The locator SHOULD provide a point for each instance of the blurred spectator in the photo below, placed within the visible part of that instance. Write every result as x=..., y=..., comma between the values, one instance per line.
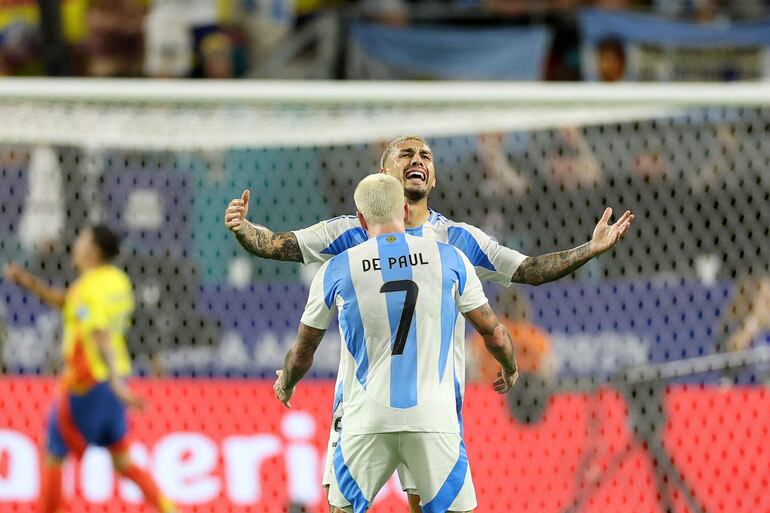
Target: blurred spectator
x=115, y=39
x=195, y=38
x=43, y=216
x=708, y=11
x=264, y=23
x=216, y=52
x=20, y=49
x=719, y=164
x=610, y=60
x=746, y=322
x=572, y=165
x=748, y=313
x=168, y=40
x=387, y=12
x=502, y=177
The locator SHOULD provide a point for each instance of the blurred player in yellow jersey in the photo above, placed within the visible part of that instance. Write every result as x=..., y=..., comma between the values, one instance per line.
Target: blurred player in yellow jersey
x=91, y=400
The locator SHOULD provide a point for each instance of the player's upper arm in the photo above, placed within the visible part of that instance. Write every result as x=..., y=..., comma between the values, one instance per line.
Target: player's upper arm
x=320, y=302
x=469, y=294
x=320, y=242
x=492, y=261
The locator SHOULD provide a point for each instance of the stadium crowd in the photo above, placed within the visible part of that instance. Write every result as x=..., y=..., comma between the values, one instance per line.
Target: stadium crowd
x=302, y=38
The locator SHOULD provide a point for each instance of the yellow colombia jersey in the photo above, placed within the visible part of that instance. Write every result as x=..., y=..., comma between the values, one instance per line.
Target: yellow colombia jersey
x=101, y=299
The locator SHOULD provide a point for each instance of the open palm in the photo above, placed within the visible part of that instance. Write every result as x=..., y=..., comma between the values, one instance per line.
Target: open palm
x=606, y=235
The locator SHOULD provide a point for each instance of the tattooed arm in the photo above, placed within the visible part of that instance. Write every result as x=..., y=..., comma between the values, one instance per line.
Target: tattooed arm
x=259, y=240
x=263, y=242
x=298, y=361
x=544, y=268
x=552, y=266
x=497, y=340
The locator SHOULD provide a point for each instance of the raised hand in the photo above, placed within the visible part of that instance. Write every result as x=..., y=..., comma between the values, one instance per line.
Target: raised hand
x=235, y=214
x=607, y=235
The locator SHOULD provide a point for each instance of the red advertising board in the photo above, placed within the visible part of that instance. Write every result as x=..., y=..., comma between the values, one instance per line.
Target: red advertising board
x=229, y=446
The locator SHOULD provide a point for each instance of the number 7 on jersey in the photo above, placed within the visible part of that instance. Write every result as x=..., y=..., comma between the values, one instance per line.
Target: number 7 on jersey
x=407, y=313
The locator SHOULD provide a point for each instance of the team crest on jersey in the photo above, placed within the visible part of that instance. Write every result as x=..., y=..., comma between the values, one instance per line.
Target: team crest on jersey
x=390, y=239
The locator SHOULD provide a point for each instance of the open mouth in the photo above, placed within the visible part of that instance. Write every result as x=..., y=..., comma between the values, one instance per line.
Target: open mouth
x=416, y=175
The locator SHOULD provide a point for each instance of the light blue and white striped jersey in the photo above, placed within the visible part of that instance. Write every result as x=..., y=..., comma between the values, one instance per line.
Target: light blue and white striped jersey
x=398, y=298
x=492, y=261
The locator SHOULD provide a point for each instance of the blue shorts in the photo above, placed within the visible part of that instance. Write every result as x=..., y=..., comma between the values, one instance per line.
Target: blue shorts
x=97, y=417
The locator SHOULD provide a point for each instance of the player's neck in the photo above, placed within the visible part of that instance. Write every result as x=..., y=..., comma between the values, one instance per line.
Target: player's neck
x=418, y=213
x=381, y=229
x=89, y=266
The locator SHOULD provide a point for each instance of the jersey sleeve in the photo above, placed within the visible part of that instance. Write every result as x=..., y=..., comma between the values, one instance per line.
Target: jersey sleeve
x=320, y=242
x=491, y=260
x=318, y=310
x=469, y=294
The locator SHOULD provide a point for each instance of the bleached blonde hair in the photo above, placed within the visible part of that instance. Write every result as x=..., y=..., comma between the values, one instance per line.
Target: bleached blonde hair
x=380, y=198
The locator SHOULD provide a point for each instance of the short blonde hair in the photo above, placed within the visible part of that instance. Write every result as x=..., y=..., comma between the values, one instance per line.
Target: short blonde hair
x=395, y=142
x=380, y=198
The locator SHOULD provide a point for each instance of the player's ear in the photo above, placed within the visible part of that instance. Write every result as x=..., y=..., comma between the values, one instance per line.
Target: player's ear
x=407, y=212
x=383, y=170
x=362, y=221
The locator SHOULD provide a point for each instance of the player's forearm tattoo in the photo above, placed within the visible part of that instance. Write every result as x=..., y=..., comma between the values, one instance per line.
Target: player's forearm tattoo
x=262, y=242
x=299, y=359
x=483, y=325
x=544, y=268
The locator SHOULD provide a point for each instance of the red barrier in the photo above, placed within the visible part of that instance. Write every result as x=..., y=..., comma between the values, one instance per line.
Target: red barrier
x=229, y=446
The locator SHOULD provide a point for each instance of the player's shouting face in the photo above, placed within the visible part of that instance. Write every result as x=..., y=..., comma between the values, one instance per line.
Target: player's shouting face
x=411, y=162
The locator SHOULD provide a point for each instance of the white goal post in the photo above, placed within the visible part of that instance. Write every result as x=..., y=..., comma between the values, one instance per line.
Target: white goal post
x=210, y=115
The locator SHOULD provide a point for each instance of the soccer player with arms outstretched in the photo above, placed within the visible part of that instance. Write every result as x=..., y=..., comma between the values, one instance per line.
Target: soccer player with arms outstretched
x=410, y=160
x=91, y=400
x=398, y=298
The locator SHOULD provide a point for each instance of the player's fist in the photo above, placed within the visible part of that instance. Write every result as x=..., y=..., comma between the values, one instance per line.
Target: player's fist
x=505, y=381
x=235, y=214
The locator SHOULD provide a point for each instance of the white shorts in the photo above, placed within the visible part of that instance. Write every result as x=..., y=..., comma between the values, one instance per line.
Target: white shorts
x=437, y=462
x=407, y=483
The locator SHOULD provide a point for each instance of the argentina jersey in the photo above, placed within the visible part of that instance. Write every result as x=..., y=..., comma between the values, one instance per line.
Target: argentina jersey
x=398, y=298
x=491, y=260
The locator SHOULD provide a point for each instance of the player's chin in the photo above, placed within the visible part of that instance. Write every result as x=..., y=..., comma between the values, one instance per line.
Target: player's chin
x=416, y=193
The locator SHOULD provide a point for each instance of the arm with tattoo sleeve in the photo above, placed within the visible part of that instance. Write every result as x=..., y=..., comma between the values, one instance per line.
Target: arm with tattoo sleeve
x=264, y=243
x=552, y=266
x=497, y=340
x=259, y=240
x=298, y=361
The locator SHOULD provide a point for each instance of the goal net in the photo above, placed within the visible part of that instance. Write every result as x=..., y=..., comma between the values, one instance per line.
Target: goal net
x=644, y=373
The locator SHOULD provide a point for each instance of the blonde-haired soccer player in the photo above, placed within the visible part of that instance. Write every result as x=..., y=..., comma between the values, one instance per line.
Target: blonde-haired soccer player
x=90, y=407
x=398, y=298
